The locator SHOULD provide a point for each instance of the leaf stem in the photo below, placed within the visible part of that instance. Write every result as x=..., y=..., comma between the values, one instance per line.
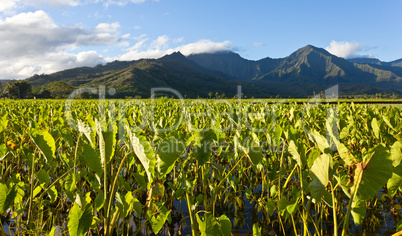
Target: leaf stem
x=334, y=209
x=193, y=228
x=346, y=221
x=111, y=196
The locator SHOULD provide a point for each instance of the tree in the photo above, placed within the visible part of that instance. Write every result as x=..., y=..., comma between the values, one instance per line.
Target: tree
x=59, y=89
x=44, y=93
x=1, y=89
x=18, y=89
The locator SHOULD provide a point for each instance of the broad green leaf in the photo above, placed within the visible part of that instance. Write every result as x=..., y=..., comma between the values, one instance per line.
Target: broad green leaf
x=225, y=225
x=358, y=211
x=376, y=128
x=143, y=150
x=399, y=227
x=52, y=192
x=342, y=179
x=209, y=226
x=344, y=133
x=331, y=125
x=283, y=203
x=278, y=134
x=65, y=133
x=179, y=192
x=158, y=191
x=271, y=206
x=395, y=182
x=376, y=173
x=7, y=196
x=203, y=146
x=107, y=143
x=255, y=153
x=320, y=174
x=137, y=207
x=396, y=154
x=99, y=200
x=18, y=201
x=168, y=152
x=129, y=200
x=43, y=177
x=3, y=151
x=327, y=198
x=93, y=159
x=124, y=204
x=3, y=123
x=345, y=154
x=256, y=230
x=55, y=231
x=3, y=197
x=88, y=131
x=321, y=141
x=159, y=217
x=386, y=120
x=314, y=153
x=38, y=189
x=45, y=143
x=79, y=219
x=140, y=179
x=292, y=207
x=293, y=149
x=202, y=153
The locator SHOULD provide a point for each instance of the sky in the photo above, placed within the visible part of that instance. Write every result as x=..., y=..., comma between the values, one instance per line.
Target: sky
x=45, y=36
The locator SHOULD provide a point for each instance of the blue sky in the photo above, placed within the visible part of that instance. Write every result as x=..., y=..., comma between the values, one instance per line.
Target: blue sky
x=44, y=36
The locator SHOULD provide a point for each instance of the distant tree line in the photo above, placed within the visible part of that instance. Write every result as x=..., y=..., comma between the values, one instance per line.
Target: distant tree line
x=22, y=89
x=16, y=90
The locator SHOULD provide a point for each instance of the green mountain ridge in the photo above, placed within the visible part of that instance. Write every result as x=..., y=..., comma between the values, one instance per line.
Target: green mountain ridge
x=316, y=65
x=307, y=70
x=234, y=65
x=364, y=60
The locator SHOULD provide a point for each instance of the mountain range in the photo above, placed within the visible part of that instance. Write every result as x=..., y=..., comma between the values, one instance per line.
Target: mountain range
x=307, y=71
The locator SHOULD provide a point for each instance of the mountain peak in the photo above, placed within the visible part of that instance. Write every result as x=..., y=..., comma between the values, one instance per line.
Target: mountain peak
x=310, y=48
x=175, y=55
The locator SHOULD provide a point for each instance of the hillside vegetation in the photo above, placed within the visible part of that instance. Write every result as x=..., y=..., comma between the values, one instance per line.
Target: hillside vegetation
x=307, y=71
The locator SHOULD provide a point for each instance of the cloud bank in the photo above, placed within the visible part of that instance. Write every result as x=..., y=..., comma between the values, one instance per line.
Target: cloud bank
x=32, y=43
x=161, y=46
x=9, y=6
x=346, y=49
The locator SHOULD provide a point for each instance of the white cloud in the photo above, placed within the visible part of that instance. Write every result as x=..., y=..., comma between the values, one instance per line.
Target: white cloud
x=155, y=49
x=88, y=58
x=126, y=36
x=204, y=46
x=33, y=33
x=346, y=49
x=48, y=63
x=178, y=40
x=6, y=5
x=160, y=42
x=121, y=2
x=258, y=44
x=105, y=27
x=38, y=3
x=32, y=43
